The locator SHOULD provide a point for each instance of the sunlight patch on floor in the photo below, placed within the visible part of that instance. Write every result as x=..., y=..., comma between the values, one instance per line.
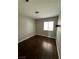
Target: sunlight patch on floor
x=47, y=46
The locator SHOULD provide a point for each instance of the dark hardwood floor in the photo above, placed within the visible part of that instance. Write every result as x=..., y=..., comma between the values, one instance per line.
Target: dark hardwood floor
x=38, y=47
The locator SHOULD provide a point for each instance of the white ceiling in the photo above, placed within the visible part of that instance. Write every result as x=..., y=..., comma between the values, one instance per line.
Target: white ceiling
x=46, y=8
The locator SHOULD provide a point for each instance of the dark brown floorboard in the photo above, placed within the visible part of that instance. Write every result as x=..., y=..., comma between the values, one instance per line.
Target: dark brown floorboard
x=37, y=47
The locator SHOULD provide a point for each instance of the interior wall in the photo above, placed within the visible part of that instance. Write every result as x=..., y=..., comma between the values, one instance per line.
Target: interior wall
x=26, y=27
x=58, y=41
x=40, y=24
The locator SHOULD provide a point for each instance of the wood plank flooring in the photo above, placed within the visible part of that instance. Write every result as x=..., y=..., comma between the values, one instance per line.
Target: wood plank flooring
x=38, y=47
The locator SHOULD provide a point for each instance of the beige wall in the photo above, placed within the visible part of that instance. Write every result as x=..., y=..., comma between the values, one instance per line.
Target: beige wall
x=58, y=39
x=26, y=27
x=39, y=27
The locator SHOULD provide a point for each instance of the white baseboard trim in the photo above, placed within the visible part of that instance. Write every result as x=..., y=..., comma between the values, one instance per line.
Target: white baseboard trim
x=31, y=36
x=45, y=36
x=25, y=38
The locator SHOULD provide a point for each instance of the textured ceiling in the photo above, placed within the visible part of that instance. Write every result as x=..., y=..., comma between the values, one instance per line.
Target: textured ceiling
x=46, y=8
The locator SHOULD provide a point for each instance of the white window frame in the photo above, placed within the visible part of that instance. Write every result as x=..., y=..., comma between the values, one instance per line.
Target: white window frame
x=48, y=28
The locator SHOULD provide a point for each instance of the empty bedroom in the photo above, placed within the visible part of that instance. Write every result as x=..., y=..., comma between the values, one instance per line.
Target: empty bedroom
x=39, y=32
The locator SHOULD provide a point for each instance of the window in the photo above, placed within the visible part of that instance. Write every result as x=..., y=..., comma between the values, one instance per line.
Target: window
x=48, y=26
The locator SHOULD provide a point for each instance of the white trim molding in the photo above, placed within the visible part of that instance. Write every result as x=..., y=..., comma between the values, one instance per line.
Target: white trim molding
x=25, y=38
x=45, y=36
x=32, y=36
